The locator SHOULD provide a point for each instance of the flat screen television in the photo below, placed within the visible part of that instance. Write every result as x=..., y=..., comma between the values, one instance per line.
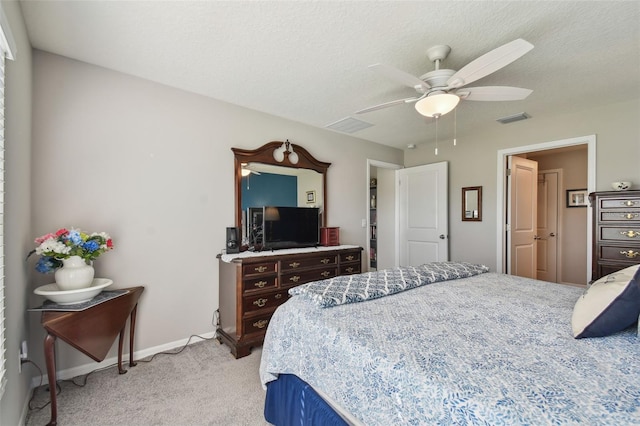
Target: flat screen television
x=289, y=227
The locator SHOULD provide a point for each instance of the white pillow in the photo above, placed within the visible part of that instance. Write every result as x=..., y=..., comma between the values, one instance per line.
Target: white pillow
x=609, y=305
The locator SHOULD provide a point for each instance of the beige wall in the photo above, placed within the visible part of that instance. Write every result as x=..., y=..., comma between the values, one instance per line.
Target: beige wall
x=473, y=162
x=153, y=166
x=17, y=226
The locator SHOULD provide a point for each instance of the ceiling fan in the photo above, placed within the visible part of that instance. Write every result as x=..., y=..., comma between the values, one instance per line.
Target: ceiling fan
x=440, y=90
x=248, y=170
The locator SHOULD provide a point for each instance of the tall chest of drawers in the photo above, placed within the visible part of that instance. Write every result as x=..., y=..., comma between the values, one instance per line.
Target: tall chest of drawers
x=252, y=287
x=616, y=231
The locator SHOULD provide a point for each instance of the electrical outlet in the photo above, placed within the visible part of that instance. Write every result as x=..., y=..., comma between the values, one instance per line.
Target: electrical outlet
x=22, y=355
x=23, y=350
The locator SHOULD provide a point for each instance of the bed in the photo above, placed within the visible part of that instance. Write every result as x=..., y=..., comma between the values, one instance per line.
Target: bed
x=451, y=343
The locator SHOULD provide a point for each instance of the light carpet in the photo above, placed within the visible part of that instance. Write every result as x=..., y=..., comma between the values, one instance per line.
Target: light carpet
x=202, y=385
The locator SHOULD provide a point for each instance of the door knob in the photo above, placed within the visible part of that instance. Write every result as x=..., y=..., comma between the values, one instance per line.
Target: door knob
x=552, y=234
x=442, y=237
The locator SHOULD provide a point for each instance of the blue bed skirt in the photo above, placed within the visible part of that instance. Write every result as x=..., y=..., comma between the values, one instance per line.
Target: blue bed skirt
x=290, y=401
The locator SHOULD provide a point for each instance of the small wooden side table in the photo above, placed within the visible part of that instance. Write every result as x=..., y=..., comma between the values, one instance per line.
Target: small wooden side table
x=92, y=332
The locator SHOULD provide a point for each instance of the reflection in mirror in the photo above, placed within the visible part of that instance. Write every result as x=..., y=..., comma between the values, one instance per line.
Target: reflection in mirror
x=472, y=204
x=268, y=185
x=277, y=174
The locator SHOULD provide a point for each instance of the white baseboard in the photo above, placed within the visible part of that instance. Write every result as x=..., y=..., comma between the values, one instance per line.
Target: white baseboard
x=88, y=368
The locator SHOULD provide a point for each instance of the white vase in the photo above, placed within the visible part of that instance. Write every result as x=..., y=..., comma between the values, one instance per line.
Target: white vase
x=74, y=274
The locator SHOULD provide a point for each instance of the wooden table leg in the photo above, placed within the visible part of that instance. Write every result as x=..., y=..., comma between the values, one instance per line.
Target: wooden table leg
x=50, y=357
x=132, y=328
x=120, y=369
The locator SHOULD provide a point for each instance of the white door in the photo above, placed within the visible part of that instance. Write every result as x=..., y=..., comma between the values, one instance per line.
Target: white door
x=522, y=216
x=423, y=214
x=547, y=240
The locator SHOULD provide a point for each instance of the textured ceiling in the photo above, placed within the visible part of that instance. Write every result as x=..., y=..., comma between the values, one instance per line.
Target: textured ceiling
x=307, y=61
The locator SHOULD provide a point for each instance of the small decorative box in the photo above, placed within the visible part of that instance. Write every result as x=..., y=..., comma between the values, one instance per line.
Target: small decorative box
x=330, y=236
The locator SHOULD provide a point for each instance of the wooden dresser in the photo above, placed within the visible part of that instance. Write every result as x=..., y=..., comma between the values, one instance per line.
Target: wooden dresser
x=616, y=231
x=253, y=286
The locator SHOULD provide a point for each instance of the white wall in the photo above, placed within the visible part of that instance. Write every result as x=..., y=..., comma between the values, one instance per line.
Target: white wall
x=17, y=209
x=473, y=163
x=153, y=166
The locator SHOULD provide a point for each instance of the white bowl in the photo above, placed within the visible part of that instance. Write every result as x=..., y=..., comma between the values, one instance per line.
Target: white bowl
x=621, y=186
x=69, y=297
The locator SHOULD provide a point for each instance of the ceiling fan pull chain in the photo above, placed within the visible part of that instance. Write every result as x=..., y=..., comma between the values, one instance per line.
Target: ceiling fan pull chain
x=455, y=126
x=436, y=116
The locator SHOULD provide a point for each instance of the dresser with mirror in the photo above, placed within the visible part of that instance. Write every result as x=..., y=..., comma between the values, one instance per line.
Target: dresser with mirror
x=255, y=281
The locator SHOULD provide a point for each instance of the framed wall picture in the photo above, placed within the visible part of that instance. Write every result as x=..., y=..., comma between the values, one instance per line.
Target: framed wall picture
x=311, y=197
x=577, y=198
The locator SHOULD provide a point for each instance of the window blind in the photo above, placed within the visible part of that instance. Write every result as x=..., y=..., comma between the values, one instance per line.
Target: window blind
x=7, y=50
x=3, y=370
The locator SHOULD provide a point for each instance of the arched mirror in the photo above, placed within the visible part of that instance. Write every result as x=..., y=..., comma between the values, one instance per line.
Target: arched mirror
x=277, y=174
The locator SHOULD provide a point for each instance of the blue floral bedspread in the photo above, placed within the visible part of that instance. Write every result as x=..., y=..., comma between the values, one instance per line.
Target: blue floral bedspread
x=490, y=349
x=371, y=285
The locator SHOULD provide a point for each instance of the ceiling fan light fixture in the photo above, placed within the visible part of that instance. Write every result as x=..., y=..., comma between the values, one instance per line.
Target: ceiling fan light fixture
x=439, y=104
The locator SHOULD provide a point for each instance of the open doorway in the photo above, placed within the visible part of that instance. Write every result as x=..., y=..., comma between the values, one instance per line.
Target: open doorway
x=381, y=216
x=574, y=251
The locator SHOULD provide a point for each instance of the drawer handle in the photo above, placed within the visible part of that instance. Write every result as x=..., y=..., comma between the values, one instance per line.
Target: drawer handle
x=261, y=323
x=629, y=254
x=260, y=302
x=630, y=216
x=295, y=278
x=325, y=273
x=260, y=268
x=260, y=284
x=630, y=233
x=349, y=270
x=294, y=264
x=278, y=296
x=350, y=257
x=629, y=203
x=324, y=261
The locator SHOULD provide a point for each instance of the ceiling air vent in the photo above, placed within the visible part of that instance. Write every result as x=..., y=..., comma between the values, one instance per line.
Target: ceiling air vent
x=515, y=117
x=348, y=125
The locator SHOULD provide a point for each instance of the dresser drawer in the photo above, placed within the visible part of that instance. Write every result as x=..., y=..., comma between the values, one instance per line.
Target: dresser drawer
x=292, y=279
x=261, y=283
x=627, y=233
x=256, y=324
x=609, y=268
x=350, y=269
x=265, y=300
x=631, y=253
x=350, y=257
x=259, y=268
x=620, y=216
x=620, y=203
x=310, y=262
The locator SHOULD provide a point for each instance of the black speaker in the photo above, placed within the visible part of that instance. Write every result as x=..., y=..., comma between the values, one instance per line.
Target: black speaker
x=233, y=240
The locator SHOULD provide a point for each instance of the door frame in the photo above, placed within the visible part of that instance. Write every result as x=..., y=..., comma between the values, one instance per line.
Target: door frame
x=589, y=140
x=366, y=222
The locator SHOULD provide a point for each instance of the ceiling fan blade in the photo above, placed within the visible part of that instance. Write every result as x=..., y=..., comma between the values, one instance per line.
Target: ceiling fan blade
x=493, y=93
x=400, y=76
x=489, y=62
x=388, y=104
